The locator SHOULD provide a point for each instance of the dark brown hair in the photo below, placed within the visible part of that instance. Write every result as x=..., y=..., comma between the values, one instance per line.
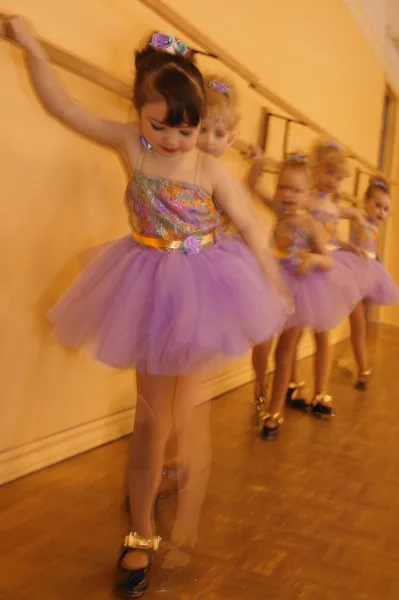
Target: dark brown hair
x=174, y=79
x=376, y=183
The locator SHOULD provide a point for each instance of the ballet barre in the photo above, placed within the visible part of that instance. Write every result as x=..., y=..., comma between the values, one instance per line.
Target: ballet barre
x=76, y=65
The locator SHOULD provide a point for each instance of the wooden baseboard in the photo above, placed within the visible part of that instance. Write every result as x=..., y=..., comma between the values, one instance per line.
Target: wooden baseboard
x=37, y=455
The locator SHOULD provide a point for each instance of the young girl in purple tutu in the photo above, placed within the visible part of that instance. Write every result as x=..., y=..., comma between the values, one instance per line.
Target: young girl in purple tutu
x=328, y=169
x=170, y=299
x=364, y=236
x=323, y=288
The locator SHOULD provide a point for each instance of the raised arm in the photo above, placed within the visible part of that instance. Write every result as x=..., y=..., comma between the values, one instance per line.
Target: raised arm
x=55, y=97
x=254, y=176
x=352, y=213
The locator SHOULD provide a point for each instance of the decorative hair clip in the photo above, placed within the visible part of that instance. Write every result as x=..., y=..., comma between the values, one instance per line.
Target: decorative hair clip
x=219, y=88
x=146, y=145
x=334, y=145
x=165, y=42
x=298, y=157
x=379, y=183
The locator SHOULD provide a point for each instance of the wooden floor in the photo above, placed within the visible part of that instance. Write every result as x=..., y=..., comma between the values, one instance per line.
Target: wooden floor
x=313, y=516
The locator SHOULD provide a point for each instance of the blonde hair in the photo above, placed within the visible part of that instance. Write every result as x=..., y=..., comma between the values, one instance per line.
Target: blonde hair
x=331, y=154
x=222, y=100
x=297, y=161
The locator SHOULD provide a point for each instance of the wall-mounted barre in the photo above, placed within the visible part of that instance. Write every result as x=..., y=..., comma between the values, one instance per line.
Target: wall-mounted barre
x=77, y=66
x=172, y=17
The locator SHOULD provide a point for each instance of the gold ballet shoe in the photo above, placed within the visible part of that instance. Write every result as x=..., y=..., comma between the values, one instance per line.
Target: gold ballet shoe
x=322, y=406
x=362, y=381
x=267, y=432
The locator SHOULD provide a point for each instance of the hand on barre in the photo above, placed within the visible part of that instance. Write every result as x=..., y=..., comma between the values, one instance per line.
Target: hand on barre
x=18, y=30
x=256, y=154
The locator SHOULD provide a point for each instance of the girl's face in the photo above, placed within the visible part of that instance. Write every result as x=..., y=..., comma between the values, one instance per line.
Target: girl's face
x=214, y=136
x=167, y=141
x=293, y=188
x=328, y=178
x=377, y=207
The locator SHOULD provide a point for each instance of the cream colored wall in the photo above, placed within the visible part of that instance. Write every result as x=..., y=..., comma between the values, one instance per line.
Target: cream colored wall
x=62, y=194
x=310, y=53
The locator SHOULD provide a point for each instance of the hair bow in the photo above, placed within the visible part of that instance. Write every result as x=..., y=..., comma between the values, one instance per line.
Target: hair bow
x=298, y=157
x=219, y=87
x=334, y=145
x=167, y=43
x=379, y=183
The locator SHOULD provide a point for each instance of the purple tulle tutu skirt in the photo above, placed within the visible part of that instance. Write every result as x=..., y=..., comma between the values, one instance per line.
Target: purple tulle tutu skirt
x=169, y=313
x=359, y=269
x=323, y=299
x=385, y=291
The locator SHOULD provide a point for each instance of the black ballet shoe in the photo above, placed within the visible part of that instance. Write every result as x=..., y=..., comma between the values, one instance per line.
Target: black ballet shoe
x=132, y=583
x=270, y=426
x=296, y=396
x=362, y=381
x=322, y=406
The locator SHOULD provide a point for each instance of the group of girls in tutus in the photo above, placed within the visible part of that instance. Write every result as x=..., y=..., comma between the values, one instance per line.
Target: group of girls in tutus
x=190, y=286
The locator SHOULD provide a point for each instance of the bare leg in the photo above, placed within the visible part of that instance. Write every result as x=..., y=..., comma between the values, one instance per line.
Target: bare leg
x=322, y=363
x=170, y=469
x=321, y=404
x=284, y=354
x=171, y=449
x=193, y=427
x=294, y=367
x=359, y=337
x=260, y=359
x=153, y=423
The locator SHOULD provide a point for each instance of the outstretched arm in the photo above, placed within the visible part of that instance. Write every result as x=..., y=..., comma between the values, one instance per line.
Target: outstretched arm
x=352, y=213
x=55, y=97
x=254, y=176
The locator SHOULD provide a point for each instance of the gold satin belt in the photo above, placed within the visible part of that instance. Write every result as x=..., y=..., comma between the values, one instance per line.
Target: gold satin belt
x=370, y=254
x=281, y=254
x=191, y=245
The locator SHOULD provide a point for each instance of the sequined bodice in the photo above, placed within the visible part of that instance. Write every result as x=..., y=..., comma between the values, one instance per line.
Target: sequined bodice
x=290, y=240
x=329, y=221
x=164, y=208
x=365, y=237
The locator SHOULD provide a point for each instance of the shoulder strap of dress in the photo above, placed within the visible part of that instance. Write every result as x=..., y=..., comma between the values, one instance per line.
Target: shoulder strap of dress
x=140, y=159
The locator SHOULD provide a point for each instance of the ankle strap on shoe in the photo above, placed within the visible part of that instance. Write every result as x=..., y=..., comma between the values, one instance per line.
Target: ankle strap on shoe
x=136, y=542
x=366, y=373
x=324, y=398
x=276, y=417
